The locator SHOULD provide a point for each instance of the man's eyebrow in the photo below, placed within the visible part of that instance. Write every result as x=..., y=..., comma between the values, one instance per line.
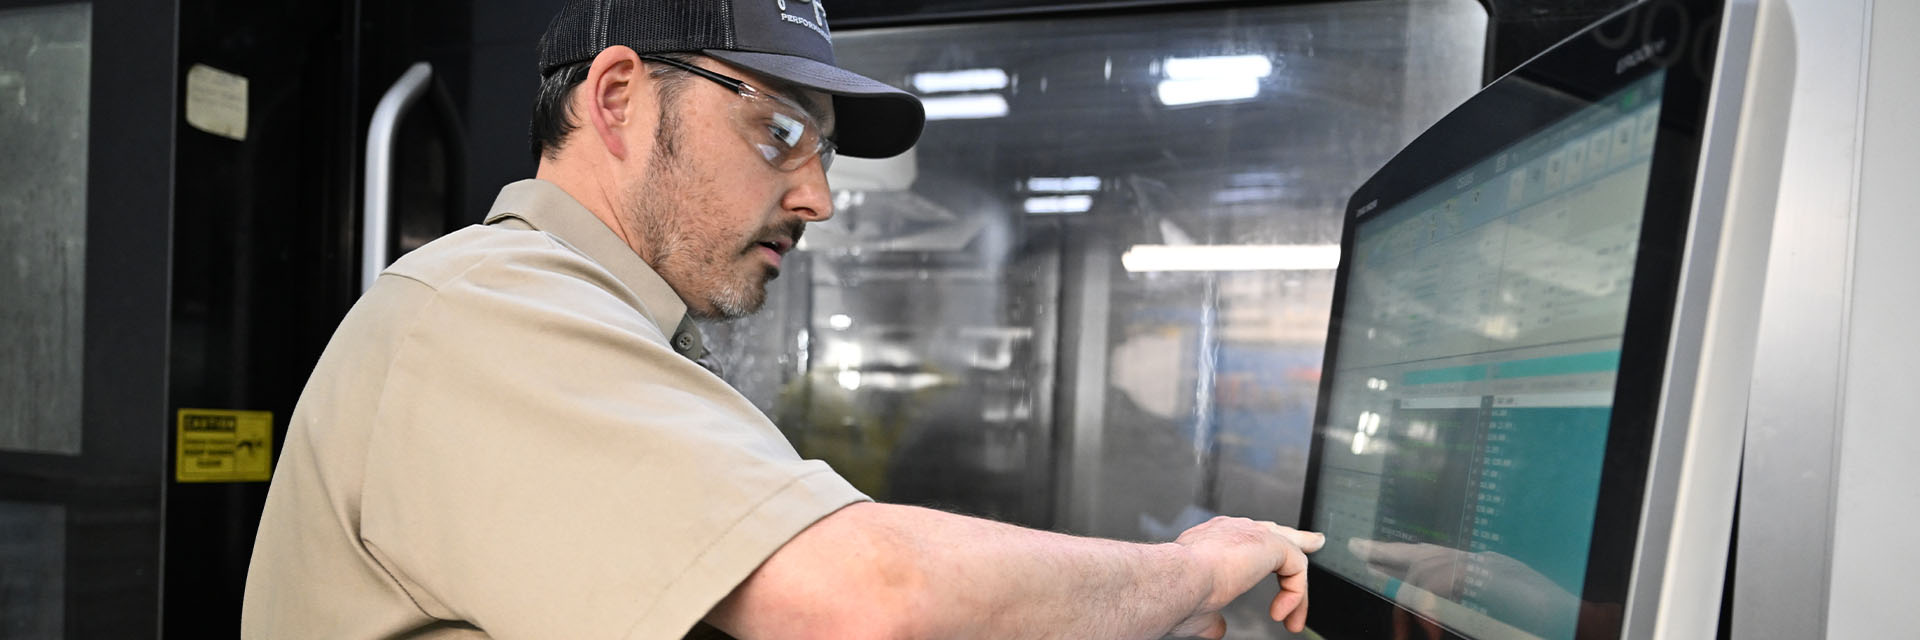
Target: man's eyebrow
x=828, y=119
x=807, y=100
x=800, y=96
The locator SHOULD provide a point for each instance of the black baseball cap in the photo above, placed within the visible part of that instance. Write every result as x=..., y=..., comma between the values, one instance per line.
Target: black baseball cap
x=783, y=39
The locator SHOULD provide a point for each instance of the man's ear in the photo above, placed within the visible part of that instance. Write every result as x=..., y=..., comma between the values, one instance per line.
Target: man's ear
x=618, y=99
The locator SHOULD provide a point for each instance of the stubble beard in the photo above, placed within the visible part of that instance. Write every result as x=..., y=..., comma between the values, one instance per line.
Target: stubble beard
x=699, y=269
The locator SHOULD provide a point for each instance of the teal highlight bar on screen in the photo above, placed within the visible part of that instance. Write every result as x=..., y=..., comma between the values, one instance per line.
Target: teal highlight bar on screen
x=1596, y=362
x=1474, y=373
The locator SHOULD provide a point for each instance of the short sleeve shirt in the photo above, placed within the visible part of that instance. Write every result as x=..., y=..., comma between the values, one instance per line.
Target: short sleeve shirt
x=508, y=437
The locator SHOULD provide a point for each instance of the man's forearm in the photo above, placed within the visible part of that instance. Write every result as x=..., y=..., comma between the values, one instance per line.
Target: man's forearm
x=986, y=579
x=876, y=570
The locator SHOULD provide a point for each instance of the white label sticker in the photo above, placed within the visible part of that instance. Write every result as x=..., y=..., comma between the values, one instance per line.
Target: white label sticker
x=217, y=102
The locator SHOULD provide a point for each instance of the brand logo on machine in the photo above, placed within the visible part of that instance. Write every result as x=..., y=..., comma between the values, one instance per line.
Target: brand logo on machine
x=1644, y=53
x=819, y=22
x=1367, y=208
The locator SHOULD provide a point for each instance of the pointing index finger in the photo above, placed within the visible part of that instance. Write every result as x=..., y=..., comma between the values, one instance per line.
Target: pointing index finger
x=1307, y=541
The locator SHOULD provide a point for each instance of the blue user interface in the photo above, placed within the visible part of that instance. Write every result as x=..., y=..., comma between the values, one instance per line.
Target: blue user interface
x=1472, y=388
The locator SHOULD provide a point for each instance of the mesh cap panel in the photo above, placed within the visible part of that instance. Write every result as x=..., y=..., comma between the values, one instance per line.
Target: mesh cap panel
x=585, y=27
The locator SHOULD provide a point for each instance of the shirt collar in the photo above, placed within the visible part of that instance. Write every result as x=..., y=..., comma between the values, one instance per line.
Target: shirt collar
x=546, y=207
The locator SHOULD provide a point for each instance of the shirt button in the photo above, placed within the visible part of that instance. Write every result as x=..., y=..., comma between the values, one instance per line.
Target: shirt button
x=683, y=342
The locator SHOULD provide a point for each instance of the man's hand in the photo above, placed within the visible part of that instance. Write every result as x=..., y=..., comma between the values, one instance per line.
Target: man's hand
x=1238, y=553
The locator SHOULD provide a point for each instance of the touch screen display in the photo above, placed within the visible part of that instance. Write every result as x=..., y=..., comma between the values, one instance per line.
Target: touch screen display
x=1473, y=383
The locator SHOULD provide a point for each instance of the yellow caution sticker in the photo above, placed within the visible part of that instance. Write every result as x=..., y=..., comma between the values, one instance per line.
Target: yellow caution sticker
x=216, y=445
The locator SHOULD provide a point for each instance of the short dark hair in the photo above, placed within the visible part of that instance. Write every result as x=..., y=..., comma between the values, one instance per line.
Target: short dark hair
x=553, y=102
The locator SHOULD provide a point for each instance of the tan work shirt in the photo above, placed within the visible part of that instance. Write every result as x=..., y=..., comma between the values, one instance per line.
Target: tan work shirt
x=502, y=440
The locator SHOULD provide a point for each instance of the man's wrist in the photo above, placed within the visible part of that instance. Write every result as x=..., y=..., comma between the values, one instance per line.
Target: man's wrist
x=1187, y=576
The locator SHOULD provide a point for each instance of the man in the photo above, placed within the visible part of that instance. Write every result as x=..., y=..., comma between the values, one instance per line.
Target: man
x=510, y=437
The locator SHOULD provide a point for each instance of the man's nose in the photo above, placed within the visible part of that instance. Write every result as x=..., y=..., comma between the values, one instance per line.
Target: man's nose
x=809, y=197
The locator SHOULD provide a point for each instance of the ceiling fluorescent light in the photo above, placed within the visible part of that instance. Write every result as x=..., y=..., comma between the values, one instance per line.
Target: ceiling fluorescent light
x=1256, y=179
x=1059, y=204
x=1076, y=184
x=1242, y=195
x=1148, y=257
x=1217, y=67
x=966, y=106
x=962, y=80
x=1174, y=93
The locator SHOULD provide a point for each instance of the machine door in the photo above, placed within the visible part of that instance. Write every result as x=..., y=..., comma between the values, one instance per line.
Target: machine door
x=266, y=163
x=352, y=153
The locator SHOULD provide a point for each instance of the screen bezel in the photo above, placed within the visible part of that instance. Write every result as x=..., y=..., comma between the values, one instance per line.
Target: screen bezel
x=1678, y=36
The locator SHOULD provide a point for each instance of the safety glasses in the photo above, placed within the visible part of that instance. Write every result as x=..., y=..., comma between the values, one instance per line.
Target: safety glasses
x=781, y=130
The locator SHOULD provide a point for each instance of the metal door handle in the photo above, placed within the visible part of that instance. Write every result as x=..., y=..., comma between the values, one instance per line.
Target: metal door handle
x=377, y=219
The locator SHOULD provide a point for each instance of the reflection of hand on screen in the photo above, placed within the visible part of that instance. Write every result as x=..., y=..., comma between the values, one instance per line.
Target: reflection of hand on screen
x=1431, y=567
x=1521, y=596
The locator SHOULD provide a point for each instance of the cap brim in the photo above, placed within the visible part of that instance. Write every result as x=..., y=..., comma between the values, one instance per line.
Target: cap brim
x=875, y=120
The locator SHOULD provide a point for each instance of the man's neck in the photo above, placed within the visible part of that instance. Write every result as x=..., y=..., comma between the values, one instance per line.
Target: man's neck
x=594, y=192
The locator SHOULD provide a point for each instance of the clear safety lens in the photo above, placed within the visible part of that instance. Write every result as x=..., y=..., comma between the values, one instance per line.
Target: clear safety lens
x=783, y=134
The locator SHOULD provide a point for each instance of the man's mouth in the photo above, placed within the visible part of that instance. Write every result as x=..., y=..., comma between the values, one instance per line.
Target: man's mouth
x=778, y=244
x=779, y=240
